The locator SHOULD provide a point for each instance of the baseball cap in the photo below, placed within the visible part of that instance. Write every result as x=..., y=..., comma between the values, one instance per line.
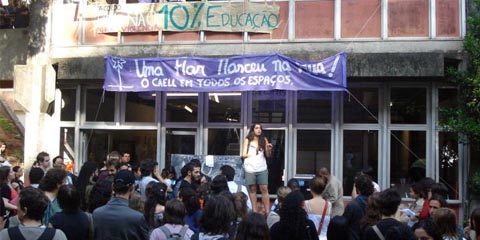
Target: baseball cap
x=124, y=177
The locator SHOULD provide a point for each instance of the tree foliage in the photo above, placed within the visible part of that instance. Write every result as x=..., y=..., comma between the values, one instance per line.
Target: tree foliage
x=465, y=118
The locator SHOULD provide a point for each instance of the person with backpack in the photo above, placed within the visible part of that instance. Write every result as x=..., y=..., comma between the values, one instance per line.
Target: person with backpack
x=32, y=205
x=234, y=187
x=174, y=228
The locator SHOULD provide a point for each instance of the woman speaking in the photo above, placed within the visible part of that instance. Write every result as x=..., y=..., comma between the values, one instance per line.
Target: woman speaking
x=256, y=149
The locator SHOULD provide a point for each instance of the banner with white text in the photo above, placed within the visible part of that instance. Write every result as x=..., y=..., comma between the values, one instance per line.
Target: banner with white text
x=240, y=73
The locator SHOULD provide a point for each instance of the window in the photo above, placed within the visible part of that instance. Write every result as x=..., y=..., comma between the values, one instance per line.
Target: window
x=354, y=111
x=140, y=107
x=313, y=150
x=179, y=141
x=69, y=101
x=98, y=109
x=182, y=107
x=314, y=107
x=269, y=107
x=407, y=159
x=224, y=141
x=360, y=151
x=448, y=163
x=408, y=105
x=224, y=107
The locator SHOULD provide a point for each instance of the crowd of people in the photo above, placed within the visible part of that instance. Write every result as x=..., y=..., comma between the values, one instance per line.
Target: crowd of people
x=14, y=15
x=126, y=200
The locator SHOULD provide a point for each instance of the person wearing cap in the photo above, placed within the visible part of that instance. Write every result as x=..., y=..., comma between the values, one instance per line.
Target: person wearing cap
x=116, y=220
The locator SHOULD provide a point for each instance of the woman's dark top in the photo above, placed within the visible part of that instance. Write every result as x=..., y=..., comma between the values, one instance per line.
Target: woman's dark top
x=74, y=225
x=276, y=232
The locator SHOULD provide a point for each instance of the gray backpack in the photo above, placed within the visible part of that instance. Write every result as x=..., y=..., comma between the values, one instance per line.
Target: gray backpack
x=174, y=236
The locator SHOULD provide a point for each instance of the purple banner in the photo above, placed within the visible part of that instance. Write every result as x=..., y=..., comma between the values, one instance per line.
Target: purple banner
x=240, y=73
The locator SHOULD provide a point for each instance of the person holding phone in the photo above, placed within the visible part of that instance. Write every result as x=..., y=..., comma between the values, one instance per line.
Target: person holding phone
x=256, y=149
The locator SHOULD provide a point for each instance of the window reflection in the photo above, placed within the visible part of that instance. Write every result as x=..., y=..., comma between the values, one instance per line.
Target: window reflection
x=355, y=112
x=224, y=107
x=182, y=107
x=98, y=109
x=69, y=101
x=407, y=159
x=179, y=141
x=448, y=162
x=447, y=98
x=360, y=151
x=408, y=105
x=224, y=141
x=314, y=107
x=140, y=107
x=313, y=150
x=269, y=106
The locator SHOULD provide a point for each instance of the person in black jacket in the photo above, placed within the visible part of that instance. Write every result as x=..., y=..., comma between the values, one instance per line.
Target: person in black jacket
x=355, y=210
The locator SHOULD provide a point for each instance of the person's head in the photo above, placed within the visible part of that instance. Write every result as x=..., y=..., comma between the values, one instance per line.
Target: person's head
x=293, y=218
x=293, y=184
x=426, y=185
x=32, y=204
x=324, y=172
x=364, y=185
x=100, y=194
x=317, y=185
x=3, y=148
x=147, y=168
x=445, y=219
x=54, y=178
x=165, y=173
x=369, y=171
x=241, y=206
x=43, y=160
x=255, y=130
x=6, y=175
x=68, y=199
x=136, y=202
x=400, y=232
x=440, y=189
x=338, y=228
x=112, y=165
x=372, y=212
x=228, y=172
x=436, y=202
x=125, y=157
x=388, y=202
x=253, y=227
x=193, y=171
x=18, y=171
x=219, y=184
x=174, y=212
x=190, y=199
x=123, y=182
x=426, y=230
x=58, y=160
x=217, y=215
x=156, y=192
x=35, y=175
x=282, y=192
x=416, y=191
x=475, y=220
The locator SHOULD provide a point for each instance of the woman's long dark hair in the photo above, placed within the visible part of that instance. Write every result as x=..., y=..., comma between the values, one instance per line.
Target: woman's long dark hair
x=261, y=139
x=293, y=218
x=4, y=172
x=83, y=179
x=156, y=194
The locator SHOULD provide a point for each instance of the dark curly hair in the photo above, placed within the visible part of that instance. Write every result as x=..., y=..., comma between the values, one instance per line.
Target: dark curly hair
x=156, y=194
x=190, y=199
x=364, y=185
x=53, y=178
x=174, y=212
x=293, y=218
x=217, y=216
x=68, y=199
x=35, y=201
x=253, y=227
x=430, y=228
x=100, y=194
x=262, y=142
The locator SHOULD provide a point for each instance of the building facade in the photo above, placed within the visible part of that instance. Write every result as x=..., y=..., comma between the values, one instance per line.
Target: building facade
x=397, y=55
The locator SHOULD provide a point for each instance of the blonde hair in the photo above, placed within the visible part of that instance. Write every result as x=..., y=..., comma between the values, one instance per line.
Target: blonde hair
x=282, y=192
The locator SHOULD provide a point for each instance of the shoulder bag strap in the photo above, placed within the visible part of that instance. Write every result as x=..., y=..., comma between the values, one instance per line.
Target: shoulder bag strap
x=166, y=231
x=377, y=231
x=183, y=231
x=14, y=233
x=48, y=234
x=323, y=217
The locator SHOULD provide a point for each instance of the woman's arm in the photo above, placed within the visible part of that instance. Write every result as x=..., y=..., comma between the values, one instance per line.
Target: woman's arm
x=244, y=149
x=9, y=205
x=268, y=148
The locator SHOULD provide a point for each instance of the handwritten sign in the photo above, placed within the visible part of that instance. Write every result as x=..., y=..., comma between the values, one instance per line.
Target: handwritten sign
x=241, y=73
x=184, y=16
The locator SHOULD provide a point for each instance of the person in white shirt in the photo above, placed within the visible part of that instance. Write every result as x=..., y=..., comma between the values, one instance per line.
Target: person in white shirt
x=234, y=187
